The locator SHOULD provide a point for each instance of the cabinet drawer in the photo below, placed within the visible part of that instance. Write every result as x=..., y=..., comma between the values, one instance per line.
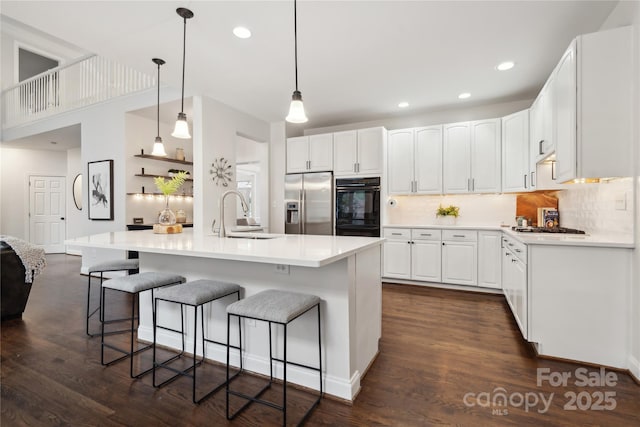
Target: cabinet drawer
x=460, y=235
x=519, y=249
x=425, y=234
x=397, y=233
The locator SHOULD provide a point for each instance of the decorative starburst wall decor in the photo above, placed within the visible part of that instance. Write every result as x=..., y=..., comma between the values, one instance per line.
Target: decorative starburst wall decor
x=221, y=171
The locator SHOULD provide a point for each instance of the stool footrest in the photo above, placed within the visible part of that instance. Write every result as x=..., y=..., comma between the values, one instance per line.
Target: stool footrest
x=313, y=368
x=250, y=399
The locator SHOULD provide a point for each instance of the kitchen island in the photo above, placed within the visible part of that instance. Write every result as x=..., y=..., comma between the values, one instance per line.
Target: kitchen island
x=343, y=271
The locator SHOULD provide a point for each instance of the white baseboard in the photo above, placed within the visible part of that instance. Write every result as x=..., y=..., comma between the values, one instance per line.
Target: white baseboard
x=73, y=252
x=634, y=367
x=342, y=388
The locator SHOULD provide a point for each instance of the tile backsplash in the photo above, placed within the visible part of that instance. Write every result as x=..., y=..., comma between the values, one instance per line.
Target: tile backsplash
x=475, y=209
x=598, y=208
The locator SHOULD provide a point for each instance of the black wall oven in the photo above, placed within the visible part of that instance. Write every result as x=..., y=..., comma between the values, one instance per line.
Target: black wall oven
x=358, y=207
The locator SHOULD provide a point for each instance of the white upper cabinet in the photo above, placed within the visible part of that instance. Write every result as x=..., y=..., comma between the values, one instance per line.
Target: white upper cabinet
x=471, y=159
x=456, y=158
x=594, y=107
x=486, y=161
x=515, y=152
x=358, y=152
x=310, y=153
x=414, y=161
x=542, y=129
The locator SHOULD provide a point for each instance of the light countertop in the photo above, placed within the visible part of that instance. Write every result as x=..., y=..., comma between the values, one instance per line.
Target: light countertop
x=611, y=240
x=290, y=249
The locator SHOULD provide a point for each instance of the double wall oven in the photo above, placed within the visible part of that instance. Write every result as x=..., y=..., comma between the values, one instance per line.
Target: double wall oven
x=358, y=207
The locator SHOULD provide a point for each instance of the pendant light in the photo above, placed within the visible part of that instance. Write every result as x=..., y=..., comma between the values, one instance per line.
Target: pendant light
x=296, y=110
x=181, y=129
x=158, y=146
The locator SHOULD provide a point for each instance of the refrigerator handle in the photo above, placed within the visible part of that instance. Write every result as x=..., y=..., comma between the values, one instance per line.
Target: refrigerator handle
x=301, y=201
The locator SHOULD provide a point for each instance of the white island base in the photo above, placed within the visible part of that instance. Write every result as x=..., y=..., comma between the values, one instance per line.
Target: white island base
x=350, y=290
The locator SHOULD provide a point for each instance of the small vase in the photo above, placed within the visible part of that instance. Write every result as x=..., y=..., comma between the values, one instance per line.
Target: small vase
x=166, y=217
x=446, y=220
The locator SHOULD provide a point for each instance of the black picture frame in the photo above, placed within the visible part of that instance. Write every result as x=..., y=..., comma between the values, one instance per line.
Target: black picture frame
x=100, y=190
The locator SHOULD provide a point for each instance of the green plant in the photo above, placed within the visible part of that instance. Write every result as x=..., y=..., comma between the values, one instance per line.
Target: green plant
x=448, y=211
x=171, y=186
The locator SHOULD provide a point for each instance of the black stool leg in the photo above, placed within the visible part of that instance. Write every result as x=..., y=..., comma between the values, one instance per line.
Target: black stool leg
x=284, y=380
x=195, y=346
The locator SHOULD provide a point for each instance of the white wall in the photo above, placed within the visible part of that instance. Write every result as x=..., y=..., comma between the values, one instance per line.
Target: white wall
x=17, y=166
x=215, y=129
x=75, y=218
x=16, y=34
x=277, y=169
x=426, y=119
x=628, y=13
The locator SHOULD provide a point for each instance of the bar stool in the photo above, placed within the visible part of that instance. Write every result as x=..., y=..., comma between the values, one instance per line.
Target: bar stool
x=130, y=265
x=193, y=294
x=132, y=284
x=279, y=307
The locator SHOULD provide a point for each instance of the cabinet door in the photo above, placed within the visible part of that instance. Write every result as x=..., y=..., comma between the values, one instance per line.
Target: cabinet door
x=321, y=152
x=565, y=116
x=489, y=259
x=515, y=152
x=345, y=148
x=459, y=263
x=400, y=161
x=486, y=161
x=456, y=158
x=520, y=295
x=397, y=259
x=297, y=154
x=370, y=146
x=546, y=143
x=426, y=261
x=428, y=160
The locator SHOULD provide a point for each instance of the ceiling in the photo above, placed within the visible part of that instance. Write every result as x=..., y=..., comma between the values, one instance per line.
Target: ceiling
x=357, y=59
x=61, y=139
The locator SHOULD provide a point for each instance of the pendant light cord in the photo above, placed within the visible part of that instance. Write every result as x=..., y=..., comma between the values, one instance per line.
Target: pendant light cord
x=184, y=52
x=295, y=38
x=158, y=109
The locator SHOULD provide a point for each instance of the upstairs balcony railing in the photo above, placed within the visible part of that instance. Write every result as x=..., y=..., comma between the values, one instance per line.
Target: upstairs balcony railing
x=88, y=80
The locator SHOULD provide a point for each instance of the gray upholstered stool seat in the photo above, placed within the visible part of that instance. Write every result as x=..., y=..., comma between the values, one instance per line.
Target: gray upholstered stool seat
x=115, y=265
x=279, y=308
x=139, y=282
x=273, y=306
x=128, y=265
x=132, y=284
x=195, y=294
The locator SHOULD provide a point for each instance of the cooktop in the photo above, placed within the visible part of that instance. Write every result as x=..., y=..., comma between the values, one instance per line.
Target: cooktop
x=563, y=230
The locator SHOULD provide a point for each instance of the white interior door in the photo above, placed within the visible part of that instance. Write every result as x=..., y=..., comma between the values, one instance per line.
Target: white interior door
x=47, y=212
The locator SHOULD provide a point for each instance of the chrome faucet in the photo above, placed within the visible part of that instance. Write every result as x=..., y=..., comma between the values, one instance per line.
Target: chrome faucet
x=222, y=232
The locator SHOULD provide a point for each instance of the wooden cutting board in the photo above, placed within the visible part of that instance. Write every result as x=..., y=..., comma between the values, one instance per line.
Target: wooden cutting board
x=527, y=205
x=167, y=229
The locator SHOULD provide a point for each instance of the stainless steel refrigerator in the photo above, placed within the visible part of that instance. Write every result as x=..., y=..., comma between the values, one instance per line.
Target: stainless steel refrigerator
x=308, y=199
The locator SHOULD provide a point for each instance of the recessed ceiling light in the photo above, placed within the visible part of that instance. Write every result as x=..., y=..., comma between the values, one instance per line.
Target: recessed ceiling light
x=504, y=66
x=403, y=104
x=242, y=32
x=464, y=95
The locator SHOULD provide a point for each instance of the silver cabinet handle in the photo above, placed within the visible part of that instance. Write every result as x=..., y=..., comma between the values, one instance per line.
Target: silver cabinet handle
x=510, y=244
x=396, y=234
x=423, y=234
x=525, y=181
x=533, y=180
x=540, y=151
x=518, y=250
x=358, y=166
x=459, y=235
x=473, y=184
x=468, y=184
x=507, y=254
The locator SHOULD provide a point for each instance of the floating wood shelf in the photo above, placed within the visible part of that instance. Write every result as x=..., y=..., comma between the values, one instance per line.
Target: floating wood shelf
x=159, y=194
x=146, y=175
x=164, y=159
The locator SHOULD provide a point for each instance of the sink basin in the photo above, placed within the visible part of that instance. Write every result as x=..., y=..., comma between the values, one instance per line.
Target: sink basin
x=256, y=236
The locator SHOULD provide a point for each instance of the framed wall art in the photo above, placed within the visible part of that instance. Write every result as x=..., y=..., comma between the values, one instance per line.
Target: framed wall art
x=100, y=185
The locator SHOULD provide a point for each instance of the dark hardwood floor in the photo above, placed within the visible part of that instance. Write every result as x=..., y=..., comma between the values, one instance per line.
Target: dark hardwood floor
x=445, y=358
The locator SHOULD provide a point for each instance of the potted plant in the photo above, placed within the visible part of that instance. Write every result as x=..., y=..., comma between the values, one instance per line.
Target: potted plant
x=168, y=187
x=448, y=215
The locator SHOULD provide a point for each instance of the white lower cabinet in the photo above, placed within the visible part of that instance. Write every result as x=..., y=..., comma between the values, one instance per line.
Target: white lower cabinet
x=412, y=254
x=460, y=257
x=514, y=281
x=489, y=259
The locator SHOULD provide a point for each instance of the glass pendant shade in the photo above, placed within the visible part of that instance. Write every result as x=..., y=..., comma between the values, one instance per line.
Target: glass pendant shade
x=158, y=148
x=296, y=109
x=182, y=127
